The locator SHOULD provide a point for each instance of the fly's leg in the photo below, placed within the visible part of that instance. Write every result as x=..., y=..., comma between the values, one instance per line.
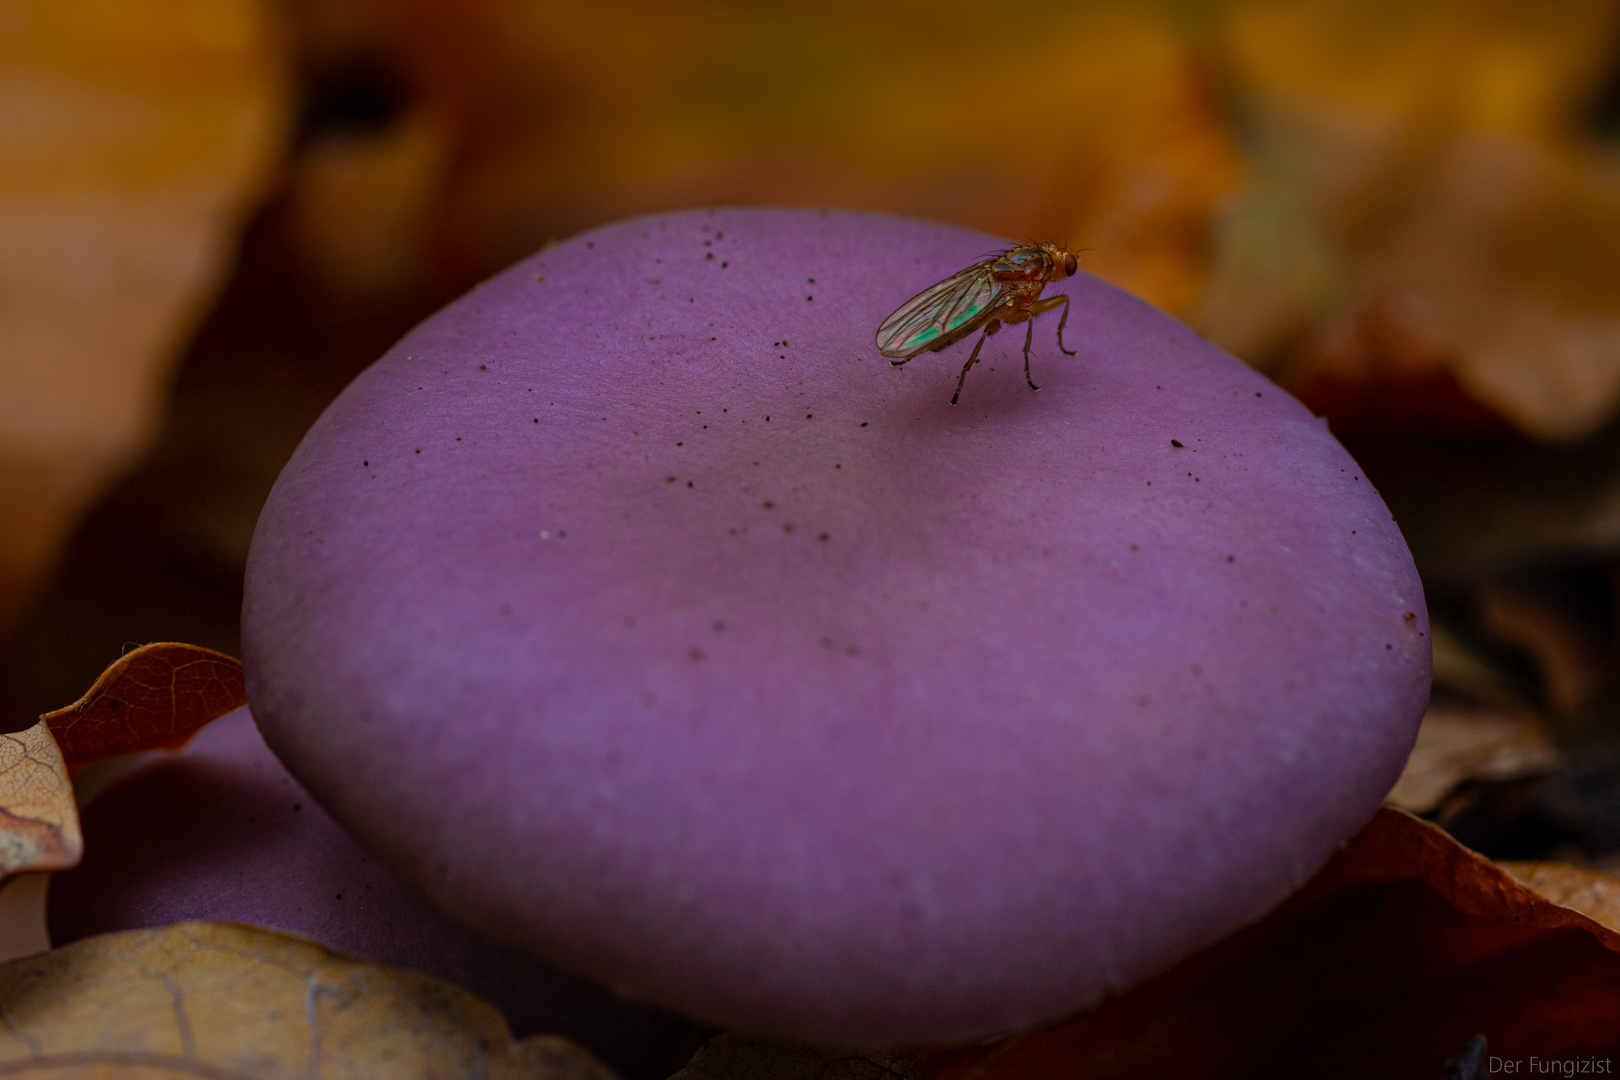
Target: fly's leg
x=1029, y=336
x=899, y=363
x=989, y=329
x=1052, y=303
x=1061, y=323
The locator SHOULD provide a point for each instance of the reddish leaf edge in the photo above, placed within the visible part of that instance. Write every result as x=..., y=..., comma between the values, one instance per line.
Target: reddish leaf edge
x=1392, y=846
x=155, y=697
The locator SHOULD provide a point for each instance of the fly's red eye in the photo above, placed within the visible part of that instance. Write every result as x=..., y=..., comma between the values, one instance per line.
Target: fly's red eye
x=1069, y=265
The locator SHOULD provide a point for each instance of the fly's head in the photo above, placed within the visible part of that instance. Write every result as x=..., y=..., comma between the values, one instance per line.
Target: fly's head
x=1063, y=262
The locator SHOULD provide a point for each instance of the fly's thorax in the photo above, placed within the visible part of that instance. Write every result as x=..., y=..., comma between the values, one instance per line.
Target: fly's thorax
x=1021, y=294
x=1023, y=263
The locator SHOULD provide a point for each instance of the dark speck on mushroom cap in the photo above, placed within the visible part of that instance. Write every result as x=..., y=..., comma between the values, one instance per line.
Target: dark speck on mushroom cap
x=1026, y=704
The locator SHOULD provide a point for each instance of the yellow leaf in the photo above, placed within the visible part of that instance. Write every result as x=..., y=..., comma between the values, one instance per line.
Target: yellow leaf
x=135, y=135
x=1425, y=240
x=241, y=1002
x=39, y=823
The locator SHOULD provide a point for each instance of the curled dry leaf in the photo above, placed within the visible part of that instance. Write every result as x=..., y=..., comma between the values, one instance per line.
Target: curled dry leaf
x=1399, y=951
x=39, y=823
x=229, y=1000
x=155, y=697
x=736, y=1056
x=1455, y=745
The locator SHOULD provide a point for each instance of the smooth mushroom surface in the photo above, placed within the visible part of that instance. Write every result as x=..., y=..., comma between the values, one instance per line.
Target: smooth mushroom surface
x=640, y=613
x=221, y=831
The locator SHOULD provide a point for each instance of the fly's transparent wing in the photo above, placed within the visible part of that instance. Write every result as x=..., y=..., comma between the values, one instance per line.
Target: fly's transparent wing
x=953, y=306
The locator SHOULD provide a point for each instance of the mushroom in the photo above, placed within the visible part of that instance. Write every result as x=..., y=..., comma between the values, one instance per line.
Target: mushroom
x=638, y=612
x=220, y=831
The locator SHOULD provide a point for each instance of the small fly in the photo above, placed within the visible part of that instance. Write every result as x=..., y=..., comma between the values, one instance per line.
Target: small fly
x=1004, y=288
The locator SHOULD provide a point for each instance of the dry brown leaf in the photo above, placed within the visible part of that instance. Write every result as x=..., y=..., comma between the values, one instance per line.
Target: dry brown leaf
x=226, y=1000
x=1475, y=514
x=1456, y=744
x=737, y=1056
x=39, y=822
x=1462, y=668
x=1570, y=660
x=1391, y=958
x=155, y=697
x=1595, y=895
x=134, y=139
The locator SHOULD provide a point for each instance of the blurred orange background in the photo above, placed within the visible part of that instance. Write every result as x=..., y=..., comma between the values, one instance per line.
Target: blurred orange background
x=213, y=213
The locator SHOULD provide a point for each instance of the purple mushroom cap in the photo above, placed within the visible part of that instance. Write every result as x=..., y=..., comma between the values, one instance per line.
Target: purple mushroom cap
x=641, y=614
x=221, y=831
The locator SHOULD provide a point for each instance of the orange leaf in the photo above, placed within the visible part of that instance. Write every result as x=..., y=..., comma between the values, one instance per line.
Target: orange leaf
x=1131, y=164
x=155, y=697
x=229, y=1000
x=39, y=823
x=1427, y=242
x=1386, y=963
